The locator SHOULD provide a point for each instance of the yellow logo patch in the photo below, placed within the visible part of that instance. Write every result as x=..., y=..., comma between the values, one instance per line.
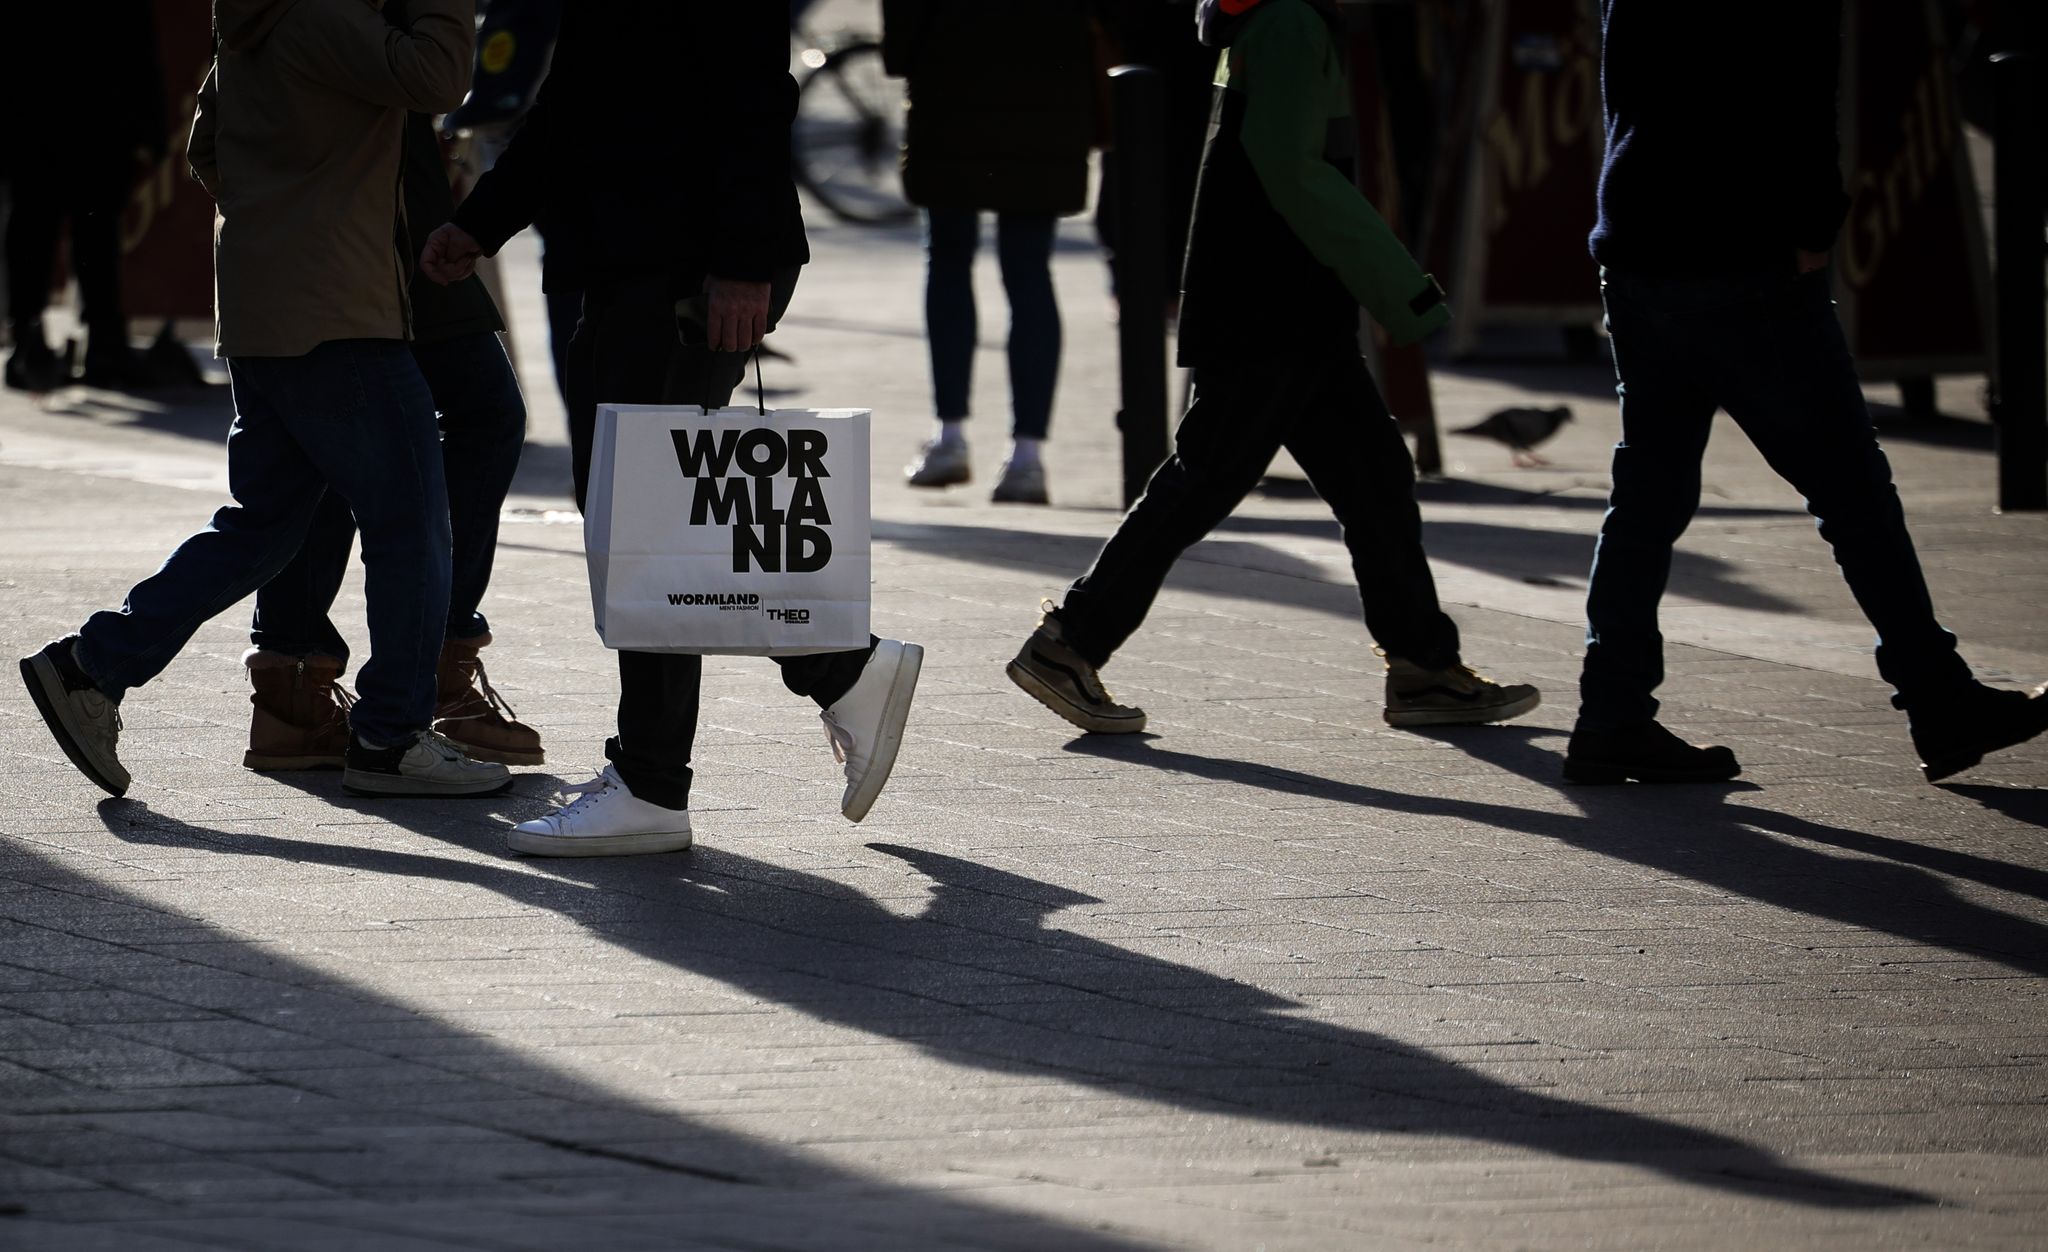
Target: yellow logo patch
x=497, y=52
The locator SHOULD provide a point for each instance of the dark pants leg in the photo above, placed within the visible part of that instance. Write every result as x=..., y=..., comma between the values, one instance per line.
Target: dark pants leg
x=1324, y=407
x=35, y=218
x=483, y=430
x=483, y=427
x=950, y=239
x=626, y=352
x=96, y=260
x=1769, y=350
x=353, y=416
x=1024, y=252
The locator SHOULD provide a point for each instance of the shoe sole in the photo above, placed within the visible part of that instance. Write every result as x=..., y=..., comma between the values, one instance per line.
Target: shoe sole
x=643, y=844
x=961, y=481
x=359, y=782
x=1464, y=717
x=889, y=738
x=1053, y=698
x=265, y=762
x=1600, y=774
x=46, y=687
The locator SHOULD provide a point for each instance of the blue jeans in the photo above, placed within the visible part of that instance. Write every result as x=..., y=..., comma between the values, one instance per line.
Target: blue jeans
x=483, y=427
x=1768, y=349
x=1024, y=253
x=353, y=415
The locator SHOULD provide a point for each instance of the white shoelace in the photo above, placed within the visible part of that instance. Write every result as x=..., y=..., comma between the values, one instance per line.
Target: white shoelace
x=843, y=740
x=584, y=794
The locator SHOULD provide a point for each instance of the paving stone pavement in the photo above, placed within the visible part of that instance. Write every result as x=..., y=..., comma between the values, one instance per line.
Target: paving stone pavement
x=1272, y=976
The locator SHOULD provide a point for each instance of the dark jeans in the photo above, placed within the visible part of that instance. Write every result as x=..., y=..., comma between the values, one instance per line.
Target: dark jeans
x=1323, y=408
x=1024, y=253
x=483, y=426
x=1767, y=348
x=626, y=352
x=353, y=415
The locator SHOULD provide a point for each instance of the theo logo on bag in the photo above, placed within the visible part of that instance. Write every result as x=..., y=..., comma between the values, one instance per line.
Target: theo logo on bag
x=735, y=477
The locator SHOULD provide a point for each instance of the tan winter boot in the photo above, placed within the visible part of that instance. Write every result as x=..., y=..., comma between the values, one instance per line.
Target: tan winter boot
x=471, y=714
x=300, y=719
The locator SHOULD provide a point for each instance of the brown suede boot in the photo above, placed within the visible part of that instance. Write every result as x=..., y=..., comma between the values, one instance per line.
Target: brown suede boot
x=300, y=720
x=470, y=713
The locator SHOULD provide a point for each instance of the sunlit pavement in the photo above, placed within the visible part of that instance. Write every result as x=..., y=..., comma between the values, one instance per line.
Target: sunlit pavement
x=1273, y=975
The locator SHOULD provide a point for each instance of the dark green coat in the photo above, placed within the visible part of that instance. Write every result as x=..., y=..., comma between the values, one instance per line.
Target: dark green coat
x=1002, y=102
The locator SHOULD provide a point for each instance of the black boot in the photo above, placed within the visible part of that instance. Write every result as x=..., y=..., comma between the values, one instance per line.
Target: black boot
x=1649, y=753
x=32, y=366
x=1954, y=732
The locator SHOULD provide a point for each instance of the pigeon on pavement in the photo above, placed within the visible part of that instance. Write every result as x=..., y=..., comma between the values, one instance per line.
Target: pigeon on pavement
x=1521, y=429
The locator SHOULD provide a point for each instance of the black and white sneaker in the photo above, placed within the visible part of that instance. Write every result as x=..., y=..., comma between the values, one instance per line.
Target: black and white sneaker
x=1456, y=696
x=1051, y=672
x=427, y=766
x=86, y=724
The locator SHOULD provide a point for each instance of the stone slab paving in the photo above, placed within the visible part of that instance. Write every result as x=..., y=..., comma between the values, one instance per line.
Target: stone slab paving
x=1273, y=976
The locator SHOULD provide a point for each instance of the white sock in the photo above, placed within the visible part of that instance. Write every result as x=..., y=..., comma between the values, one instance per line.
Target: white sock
x=952, y=432
x=1025, y=451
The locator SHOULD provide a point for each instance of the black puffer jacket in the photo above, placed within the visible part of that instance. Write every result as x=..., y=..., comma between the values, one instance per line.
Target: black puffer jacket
x=1002, y=102
x=659, y=144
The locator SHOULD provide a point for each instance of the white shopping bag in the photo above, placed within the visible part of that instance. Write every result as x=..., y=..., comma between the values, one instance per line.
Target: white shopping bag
x=733, y=531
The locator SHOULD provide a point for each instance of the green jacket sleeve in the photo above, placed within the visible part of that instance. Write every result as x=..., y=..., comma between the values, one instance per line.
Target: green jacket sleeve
x=1286, y=65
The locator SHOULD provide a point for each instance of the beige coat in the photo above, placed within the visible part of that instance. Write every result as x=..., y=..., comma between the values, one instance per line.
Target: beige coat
x=297, y=137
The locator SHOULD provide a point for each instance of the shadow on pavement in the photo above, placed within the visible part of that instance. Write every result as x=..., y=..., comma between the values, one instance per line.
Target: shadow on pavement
x=1694, y=833
x=355, y=1097
x=980, y=981
x=1895, y=425
x=2024, y=804
x=1546, y=557
x=392, y=1106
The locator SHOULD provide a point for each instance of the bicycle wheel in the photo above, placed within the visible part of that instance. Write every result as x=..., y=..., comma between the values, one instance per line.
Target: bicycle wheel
x=848, y=133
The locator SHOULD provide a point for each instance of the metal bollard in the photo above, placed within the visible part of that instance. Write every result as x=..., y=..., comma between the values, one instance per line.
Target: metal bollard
x=1139, y=99
x=2020, y=406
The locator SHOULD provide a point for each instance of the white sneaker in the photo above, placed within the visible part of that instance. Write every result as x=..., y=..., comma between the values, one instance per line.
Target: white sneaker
x=605, y=819
x=940, y=464
x=1022, y=482
x=866, y=724
x=428, y=766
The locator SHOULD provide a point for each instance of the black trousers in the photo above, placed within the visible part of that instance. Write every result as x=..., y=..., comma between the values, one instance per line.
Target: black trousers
x=1323, y=408
x=626, y=351
x=91, y=194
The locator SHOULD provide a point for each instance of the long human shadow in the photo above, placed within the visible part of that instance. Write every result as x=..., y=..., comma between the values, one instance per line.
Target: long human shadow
x=1539, y=554
x=980, y=980
x=1694, y=833
x=2022, y=804
x=548, y=1143
x=1514, y=748
x=1528, y=553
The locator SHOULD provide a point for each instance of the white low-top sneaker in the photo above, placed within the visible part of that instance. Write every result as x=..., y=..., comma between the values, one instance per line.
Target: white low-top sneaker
x=866, y=724
x=605, y=819
x=940, y=464
x=427, y=766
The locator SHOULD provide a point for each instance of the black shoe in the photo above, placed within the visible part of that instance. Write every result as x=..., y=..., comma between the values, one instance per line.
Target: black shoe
x=114, y=367
x=32, y=366
x=1955, y=733
x=1648, y=753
